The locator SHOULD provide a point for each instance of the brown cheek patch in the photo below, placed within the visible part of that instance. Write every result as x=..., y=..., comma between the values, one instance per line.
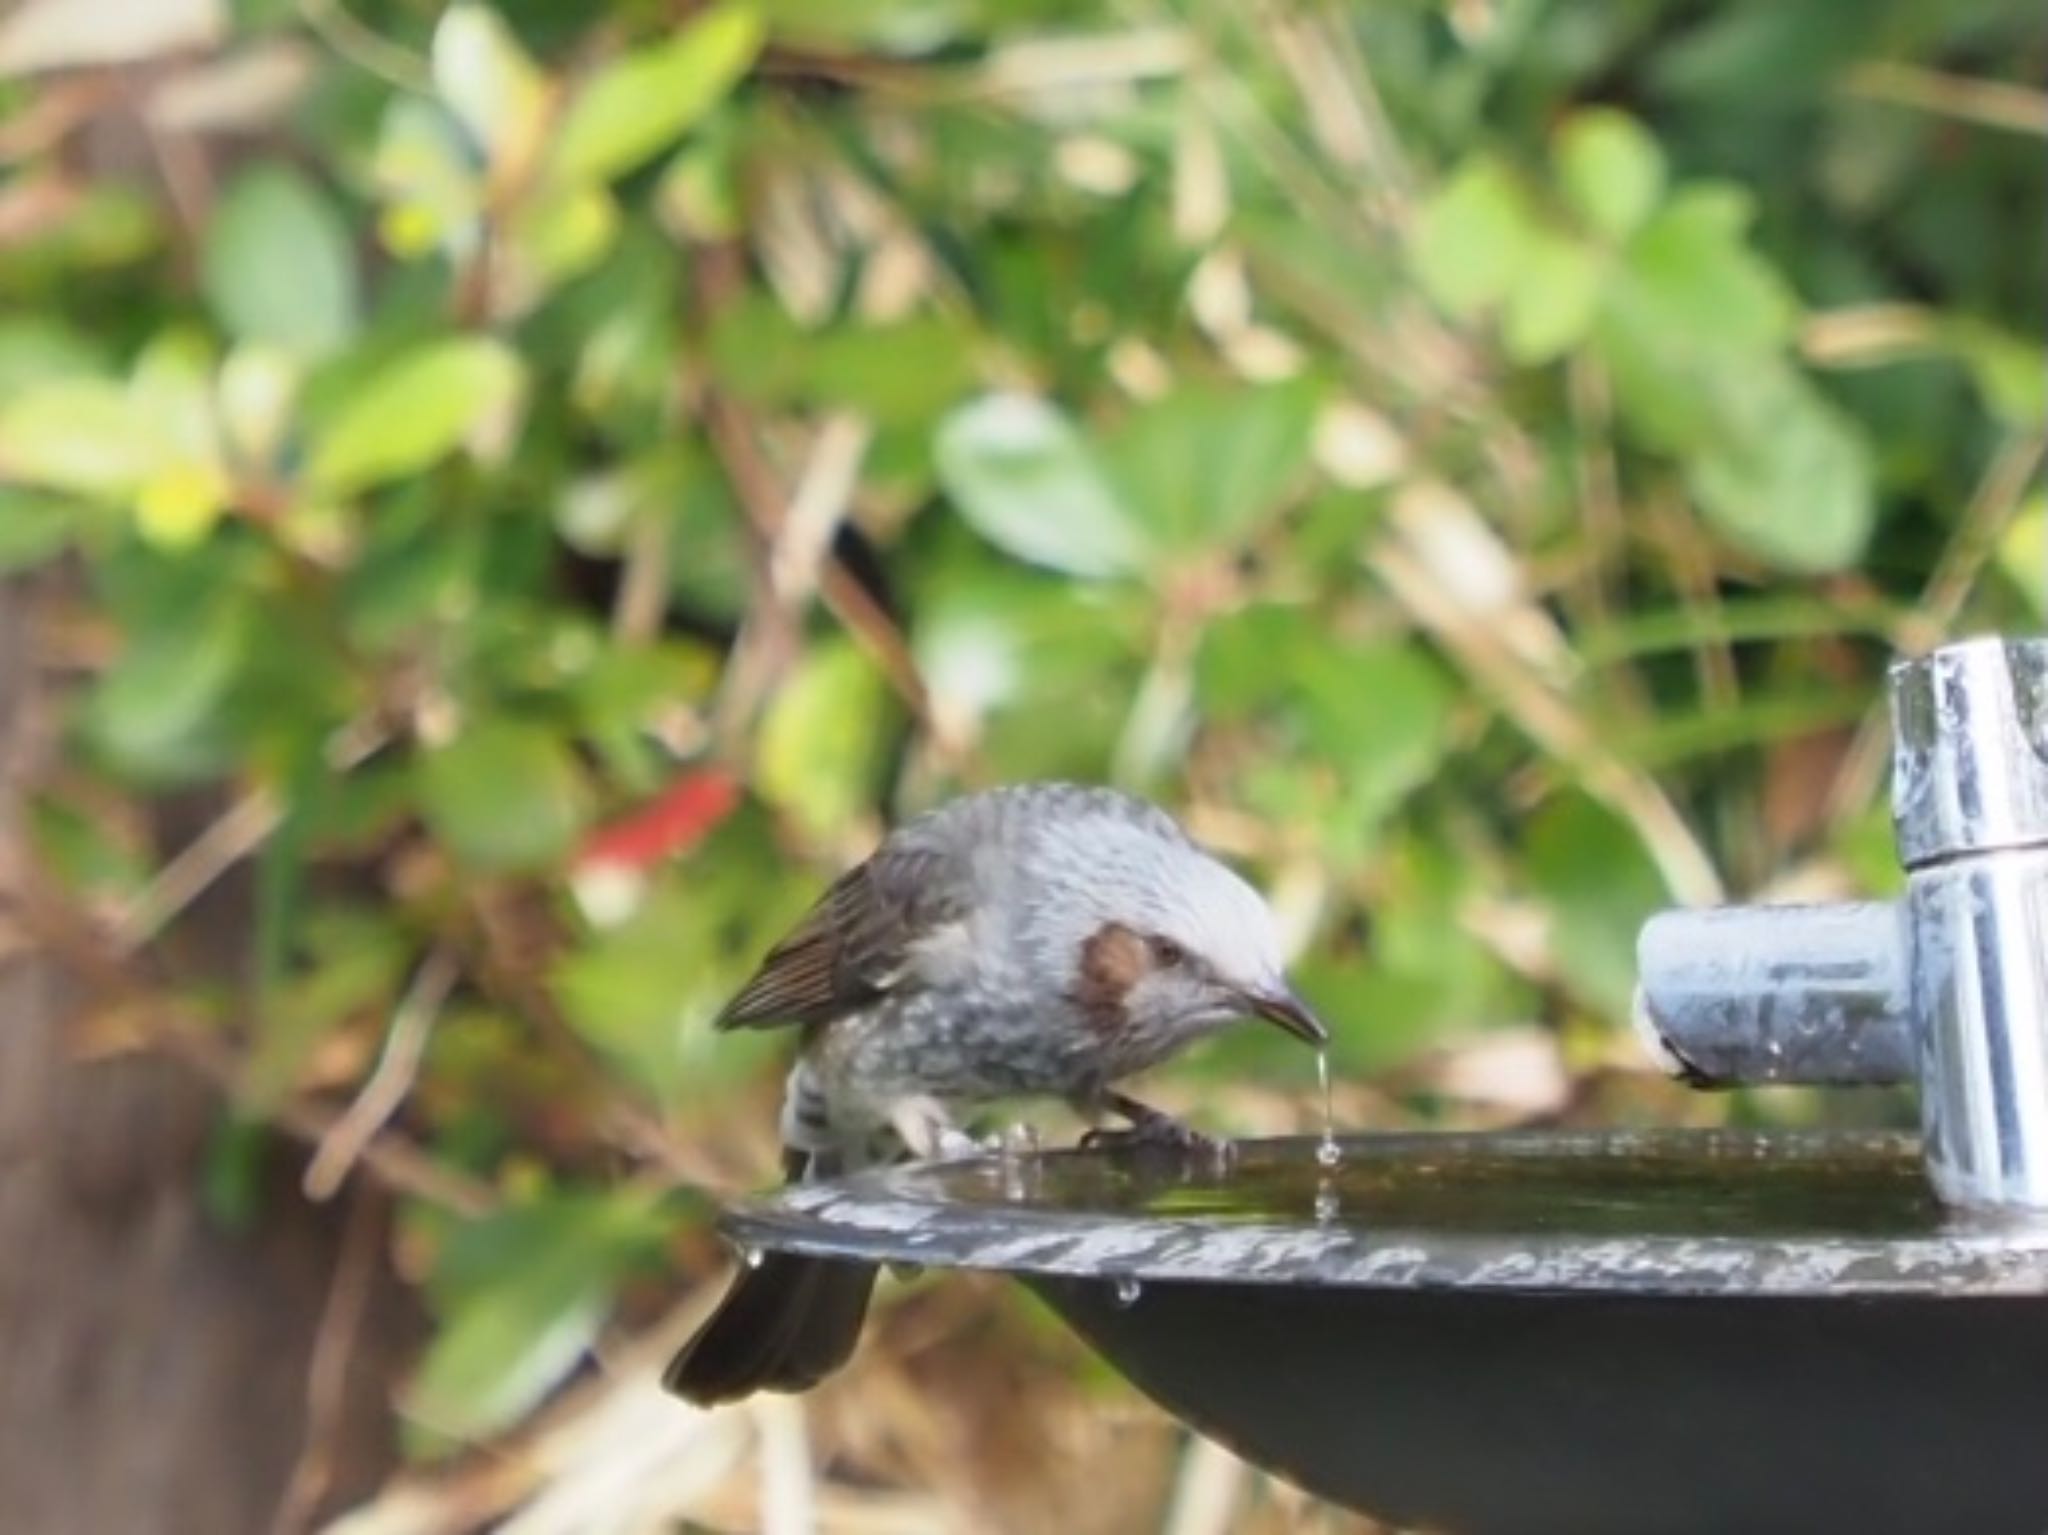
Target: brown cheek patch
x=1113, y=960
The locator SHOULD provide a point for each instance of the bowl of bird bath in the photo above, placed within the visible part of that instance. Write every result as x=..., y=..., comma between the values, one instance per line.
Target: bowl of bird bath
x=1521, y=1332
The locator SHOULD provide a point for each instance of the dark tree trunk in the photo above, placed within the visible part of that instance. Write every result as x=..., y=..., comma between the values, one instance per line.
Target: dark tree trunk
x=157, y=1369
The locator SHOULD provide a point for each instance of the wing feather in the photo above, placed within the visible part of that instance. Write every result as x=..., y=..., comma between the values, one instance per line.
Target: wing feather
x=852, y=946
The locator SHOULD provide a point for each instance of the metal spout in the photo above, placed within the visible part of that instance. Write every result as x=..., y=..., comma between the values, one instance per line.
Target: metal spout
x=1948, y=987
x=1777, y=994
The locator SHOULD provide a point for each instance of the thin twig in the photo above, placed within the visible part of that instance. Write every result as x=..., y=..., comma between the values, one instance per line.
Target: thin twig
x=823, y=496
x=1590, y=394
x=1553, y=724
x=506, y=962
x=397, y=1068
x=188, y=183
x=394, y=1161
x=234, y=835
x=341, y=1320
x=1927, y=623
x=335, y=26
x=1691, y=560
x=1986, y=103
x=644, y=589
x=769, y=632
x=1868, y=335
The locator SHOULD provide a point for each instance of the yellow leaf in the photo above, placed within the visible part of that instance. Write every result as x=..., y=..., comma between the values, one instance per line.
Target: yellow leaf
x=179, y=504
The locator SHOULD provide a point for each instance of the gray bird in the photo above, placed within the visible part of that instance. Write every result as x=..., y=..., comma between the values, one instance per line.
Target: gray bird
x=1041, y=940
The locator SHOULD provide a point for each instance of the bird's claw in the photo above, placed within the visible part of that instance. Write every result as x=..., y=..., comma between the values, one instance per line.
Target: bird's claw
x=1161, y=1132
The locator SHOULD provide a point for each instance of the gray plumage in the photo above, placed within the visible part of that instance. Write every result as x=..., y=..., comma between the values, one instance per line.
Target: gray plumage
x=1042, y=940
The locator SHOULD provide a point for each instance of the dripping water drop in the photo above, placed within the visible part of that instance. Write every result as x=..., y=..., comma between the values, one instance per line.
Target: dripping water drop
x=1327, y=1154
x=1326, y=1202
x=752, y=1257
x=1128, y=1289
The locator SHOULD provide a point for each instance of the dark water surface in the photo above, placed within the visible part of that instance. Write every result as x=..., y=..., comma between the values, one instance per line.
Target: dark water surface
x=1702, y=1184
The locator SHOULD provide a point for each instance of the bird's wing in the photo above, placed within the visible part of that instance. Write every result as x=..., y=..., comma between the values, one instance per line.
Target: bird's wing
x=853, y=945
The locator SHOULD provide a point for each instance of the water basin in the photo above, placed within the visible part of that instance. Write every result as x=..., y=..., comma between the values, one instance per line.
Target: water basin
x=1669, y=1331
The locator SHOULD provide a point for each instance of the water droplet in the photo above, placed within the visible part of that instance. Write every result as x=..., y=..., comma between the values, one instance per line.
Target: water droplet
x=752, y=1257
x=1326, y=1203
x=1128, y=1289
x=1327, y=1153
x=1020, y=1140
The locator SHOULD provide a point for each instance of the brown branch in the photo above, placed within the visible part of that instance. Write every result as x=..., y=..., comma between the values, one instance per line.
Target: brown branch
x=341, y=1320
x=389, y=1157
x=387, y=1085
x=768, y=639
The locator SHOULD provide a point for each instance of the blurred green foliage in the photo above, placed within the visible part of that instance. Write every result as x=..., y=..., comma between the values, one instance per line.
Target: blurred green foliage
x=1475, y=459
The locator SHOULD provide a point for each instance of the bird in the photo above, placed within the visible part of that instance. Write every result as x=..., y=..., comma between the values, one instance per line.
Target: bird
x=1038, y=940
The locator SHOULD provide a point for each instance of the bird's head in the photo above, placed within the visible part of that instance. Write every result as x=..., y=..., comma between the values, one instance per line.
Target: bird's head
x=1163, y=941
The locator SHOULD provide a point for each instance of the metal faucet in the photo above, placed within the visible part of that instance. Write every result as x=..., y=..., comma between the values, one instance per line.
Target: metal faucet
x=1946, y=987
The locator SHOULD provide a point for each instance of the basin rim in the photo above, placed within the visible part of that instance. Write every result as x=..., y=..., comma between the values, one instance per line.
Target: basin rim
x=905, y=1215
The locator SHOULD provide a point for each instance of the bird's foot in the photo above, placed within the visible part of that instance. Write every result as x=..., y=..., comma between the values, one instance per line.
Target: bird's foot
x=1151, y=1128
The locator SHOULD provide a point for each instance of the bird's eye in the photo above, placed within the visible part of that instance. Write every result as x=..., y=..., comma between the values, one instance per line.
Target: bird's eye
x=1165, y=951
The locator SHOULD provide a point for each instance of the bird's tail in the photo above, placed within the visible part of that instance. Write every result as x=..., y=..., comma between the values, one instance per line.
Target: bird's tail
x=786, y=1323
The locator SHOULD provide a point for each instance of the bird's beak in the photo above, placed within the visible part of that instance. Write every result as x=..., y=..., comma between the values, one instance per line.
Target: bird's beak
x=1281, y=1006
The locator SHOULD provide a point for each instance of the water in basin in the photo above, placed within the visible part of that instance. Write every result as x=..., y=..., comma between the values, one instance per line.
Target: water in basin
x=1590, y=1186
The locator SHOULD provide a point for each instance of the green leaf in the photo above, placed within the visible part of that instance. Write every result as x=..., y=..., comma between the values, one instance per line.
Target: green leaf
x=428, y=177
x=821, y=742
x=558, y=235
x=1473, y=237
x=1694, y=327
x=1697, y=281
x=1600, y=886
x=1611, y=170
x=898, y=374
x=354, y=967
x=643, y=102
x=79, y=435
x=1553, y=301
x=278, y=265
x=255, y=397
x=2023, y=551
x=504, y=795
x=1786, y=475
x=158, y=710
x=908, y=28
x=414, y=412
x=187, y=488
x=2008, y=371
x=1003, y=648
x=1024, y=478
x=37, y=350
x=1203, y=466
x=643, y=993
x=1423, y=974
x=489, y=83
x=1366, y=761
x=231, y=1171
x=540, y=1279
